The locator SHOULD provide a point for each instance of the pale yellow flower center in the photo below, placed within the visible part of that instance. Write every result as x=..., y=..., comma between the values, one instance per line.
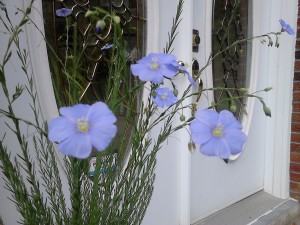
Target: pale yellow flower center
x=164, y=96
x=82, y=125
x=154, y=64
x=218, y=131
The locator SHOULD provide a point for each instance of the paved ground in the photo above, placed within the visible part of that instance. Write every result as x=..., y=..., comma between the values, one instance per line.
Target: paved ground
x=296, y=221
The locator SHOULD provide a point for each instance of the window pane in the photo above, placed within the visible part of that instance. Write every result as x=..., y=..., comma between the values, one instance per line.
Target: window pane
x=93, y=65
x=230, y=23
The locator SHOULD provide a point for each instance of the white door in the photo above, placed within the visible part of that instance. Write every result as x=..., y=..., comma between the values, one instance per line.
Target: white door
x=214, y=183
x=190, y=187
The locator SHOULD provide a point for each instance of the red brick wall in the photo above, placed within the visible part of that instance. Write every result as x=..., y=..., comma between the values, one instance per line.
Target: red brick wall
x=295, y=139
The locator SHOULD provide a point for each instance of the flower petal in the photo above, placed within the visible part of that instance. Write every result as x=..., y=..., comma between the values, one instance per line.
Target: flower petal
x=147, y=59
x=164, y=58
x=78, y=145
x=168, y=70
x=61, y=128
x=100, y=114
x=137, y=69
x=145, y=73
x=191, y=80
x=75, y=112
x=154, y=67
x=63, y=12
x=286, y=27
x=227, y=119
x=282, y=23
x=101, y=136
x=164, y=97
x=208, y=117
x=200, y=133
x=154, y=76
x=216, y=147
x=235, y=140
x=289, y=30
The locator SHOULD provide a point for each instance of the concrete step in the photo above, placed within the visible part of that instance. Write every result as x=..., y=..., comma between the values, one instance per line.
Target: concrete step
x=287, y=213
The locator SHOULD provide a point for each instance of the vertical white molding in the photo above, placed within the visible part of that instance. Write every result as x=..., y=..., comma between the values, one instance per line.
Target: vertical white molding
x=152, y=26
x=184, y=53
x=284, y=91
x=174, y=159
x=39, y=61
x=280, y=70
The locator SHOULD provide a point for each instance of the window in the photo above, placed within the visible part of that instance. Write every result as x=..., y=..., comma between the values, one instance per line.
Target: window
x=83, y=38
x=230, y=24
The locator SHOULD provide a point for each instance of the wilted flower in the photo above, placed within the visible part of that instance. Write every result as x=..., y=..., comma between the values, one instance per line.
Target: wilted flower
x=286, y=27
x=218, y=134
x=83, y=127
x=63, y=12
x=155, y=67
x=107, y=46
x=164, y=97
x=100, y=25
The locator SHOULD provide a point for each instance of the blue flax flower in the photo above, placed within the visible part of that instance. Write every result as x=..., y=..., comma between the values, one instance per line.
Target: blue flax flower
x=63, y=12
x=218, y=134
x=286, y=27
x=164, y=97
x=83, y=127
x=154, y=67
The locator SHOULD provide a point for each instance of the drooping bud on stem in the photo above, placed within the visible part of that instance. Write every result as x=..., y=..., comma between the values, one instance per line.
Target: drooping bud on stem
x=100, y=25
x=116, y=19
x=175, y=92
x=268, y=89
x=182, y=118
x=233, y=107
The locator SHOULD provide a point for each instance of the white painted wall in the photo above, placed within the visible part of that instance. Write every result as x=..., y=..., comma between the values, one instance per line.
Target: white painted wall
x=38, y=64
x=277, y=68
x=170, y=201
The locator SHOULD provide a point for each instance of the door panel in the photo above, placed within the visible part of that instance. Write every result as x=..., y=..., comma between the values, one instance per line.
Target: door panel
x=215, y=184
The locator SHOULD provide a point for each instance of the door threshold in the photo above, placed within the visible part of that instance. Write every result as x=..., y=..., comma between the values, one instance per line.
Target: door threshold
x=260, y=208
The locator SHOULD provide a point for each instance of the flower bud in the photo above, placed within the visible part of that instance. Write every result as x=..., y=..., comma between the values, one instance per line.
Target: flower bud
x=243, y=90
x=242, y=52
x=270, y=43
x=153, y=94
x=90, y=13
x=233, y=108
x=182, y=118
x=267, y=110
x=268, y=88
x=191, y=146
x=175, y=92
x=116, y=19
x=100, y=25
